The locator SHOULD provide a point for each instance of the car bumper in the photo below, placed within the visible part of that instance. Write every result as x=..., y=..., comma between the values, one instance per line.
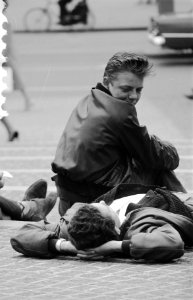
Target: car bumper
x=157, y=40
x=172, y=40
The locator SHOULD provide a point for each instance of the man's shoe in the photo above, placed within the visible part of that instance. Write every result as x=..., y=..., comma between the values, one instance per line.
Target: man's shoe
x=44, y=206
x=37, y=190
x=14, y=135
x=37, y=209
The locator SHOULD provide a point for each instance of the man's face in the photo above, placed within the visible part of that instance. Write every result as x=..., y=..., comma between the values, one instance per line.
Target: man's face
x=67, y=218
x=126, y=86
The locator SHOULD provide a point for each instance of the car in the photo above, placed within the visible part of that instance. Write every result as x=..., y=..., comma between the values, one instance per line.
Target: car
x=172, y=30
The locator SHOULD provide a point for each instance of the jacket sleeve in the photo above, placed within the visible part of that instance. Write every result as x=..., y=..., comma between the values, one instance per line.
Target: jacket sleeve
x=161, y=244
x=33, y=240
x=151, y=151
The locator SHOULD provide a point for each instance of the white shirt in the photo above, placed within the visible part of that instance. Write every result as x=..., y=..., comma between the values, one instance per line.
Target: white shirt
x=120, y=205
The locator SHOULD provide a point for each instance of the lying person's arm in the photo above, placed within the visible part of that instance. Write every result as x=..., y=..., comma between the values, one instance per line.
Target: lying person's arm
x=62, y=246
x=107, y=249
x=161, y=244
x=40, y=240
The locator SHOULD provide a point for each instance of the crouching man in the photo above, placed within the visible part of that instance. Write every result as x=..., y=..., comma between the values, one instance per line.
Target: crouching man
x=133, y=226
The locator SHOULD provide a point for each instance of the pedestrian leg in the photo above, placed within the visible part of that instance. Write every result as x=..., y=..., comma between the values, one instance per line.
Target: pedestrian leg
x=12, y=133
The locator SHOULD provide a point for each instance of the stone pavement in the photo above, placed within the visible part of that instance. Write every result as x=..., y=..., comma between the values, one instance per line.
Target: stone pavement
x=69, y=278
x=29, y=159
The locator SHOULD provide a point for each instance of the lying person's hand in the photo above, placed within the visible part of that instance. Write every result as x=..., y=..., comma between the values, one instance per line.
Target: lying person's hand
x=101, y=251
x=89, y=255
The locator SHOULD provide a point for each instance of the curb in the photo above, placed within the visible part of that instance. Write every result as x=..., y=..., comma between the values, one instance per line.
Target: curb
x=142, y=28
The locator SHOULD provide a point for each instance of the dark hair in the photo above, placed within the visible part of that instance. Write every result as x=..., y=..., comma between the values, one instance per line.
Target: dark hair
x=124, y=61
x=89, y=229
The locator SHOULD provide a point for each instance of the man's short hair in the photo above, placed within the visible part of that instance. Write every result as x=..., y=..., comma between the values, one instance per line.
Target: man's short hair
x=89, y=229
x=125, y=61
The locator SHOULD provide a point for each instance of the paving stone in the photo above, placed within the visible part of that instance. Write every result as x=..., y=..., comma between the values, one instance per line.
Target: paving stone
x=25, y=278
x=68, y=278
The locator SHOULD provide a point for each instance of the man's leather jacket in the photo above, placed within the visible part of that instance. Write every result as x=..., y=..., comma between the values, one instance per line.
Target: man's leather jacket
x=103, y=138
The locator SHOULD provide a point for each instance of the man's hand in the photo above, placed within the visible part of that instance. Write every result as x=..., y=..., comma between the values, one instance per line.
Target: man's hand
x=101, y=251
x=1, y=180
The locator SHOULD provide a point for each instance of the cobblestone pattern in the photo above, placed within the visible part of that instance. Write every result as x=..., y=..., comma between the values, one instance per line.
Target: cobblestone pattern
x=66, y=278
x=69, y=278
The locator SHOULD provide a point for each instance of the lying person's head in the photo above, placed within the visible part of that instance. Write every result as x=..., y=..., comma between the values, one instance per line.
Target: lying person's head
x=91, y=225
x=124, y=75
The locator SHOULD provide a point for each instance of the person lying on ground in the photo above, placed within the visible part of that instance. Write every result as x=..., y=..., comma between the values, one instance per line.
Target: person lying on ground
x=103, y=143
x=155, y=226
x=34, y=206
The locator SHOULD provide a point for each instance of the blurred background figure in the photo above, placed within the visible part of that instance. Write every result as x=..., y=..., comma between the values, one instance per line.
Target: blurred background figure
x=63, y=9
x=12, y=133
x=11, y=63
x=190, y=95
x=146, y=1
x=165, y=6
x=72, y=11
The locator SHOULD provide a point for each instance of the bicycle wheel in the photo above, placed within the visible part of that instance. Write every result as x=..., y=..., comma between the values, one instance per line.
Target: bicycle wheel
x=37, y=19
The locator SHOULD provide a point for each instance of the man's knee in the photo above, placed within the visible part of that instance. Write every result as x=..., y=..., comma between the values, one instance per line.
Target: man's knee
x=187, y=199
x=67, y=199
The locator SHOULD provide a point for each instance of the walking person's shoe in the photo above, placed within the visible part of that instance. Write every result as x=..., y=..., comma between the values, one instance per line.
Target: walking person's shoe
x=190, y=97
x=14, y=135
x=38, y=189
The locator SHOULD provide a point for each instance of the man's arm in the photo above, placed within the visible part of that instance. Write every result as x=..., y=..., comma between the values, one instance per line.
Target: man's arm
x=62, y=247
x=41, y=240
x=33, y=240
x=151, y=151
x=161, y=244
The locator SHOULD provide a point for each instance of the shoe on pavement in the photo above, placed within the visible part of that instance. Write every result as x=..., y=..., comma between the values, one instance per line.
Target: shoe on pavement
x=189, y=96
x=37, y=209
x=38, y=189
